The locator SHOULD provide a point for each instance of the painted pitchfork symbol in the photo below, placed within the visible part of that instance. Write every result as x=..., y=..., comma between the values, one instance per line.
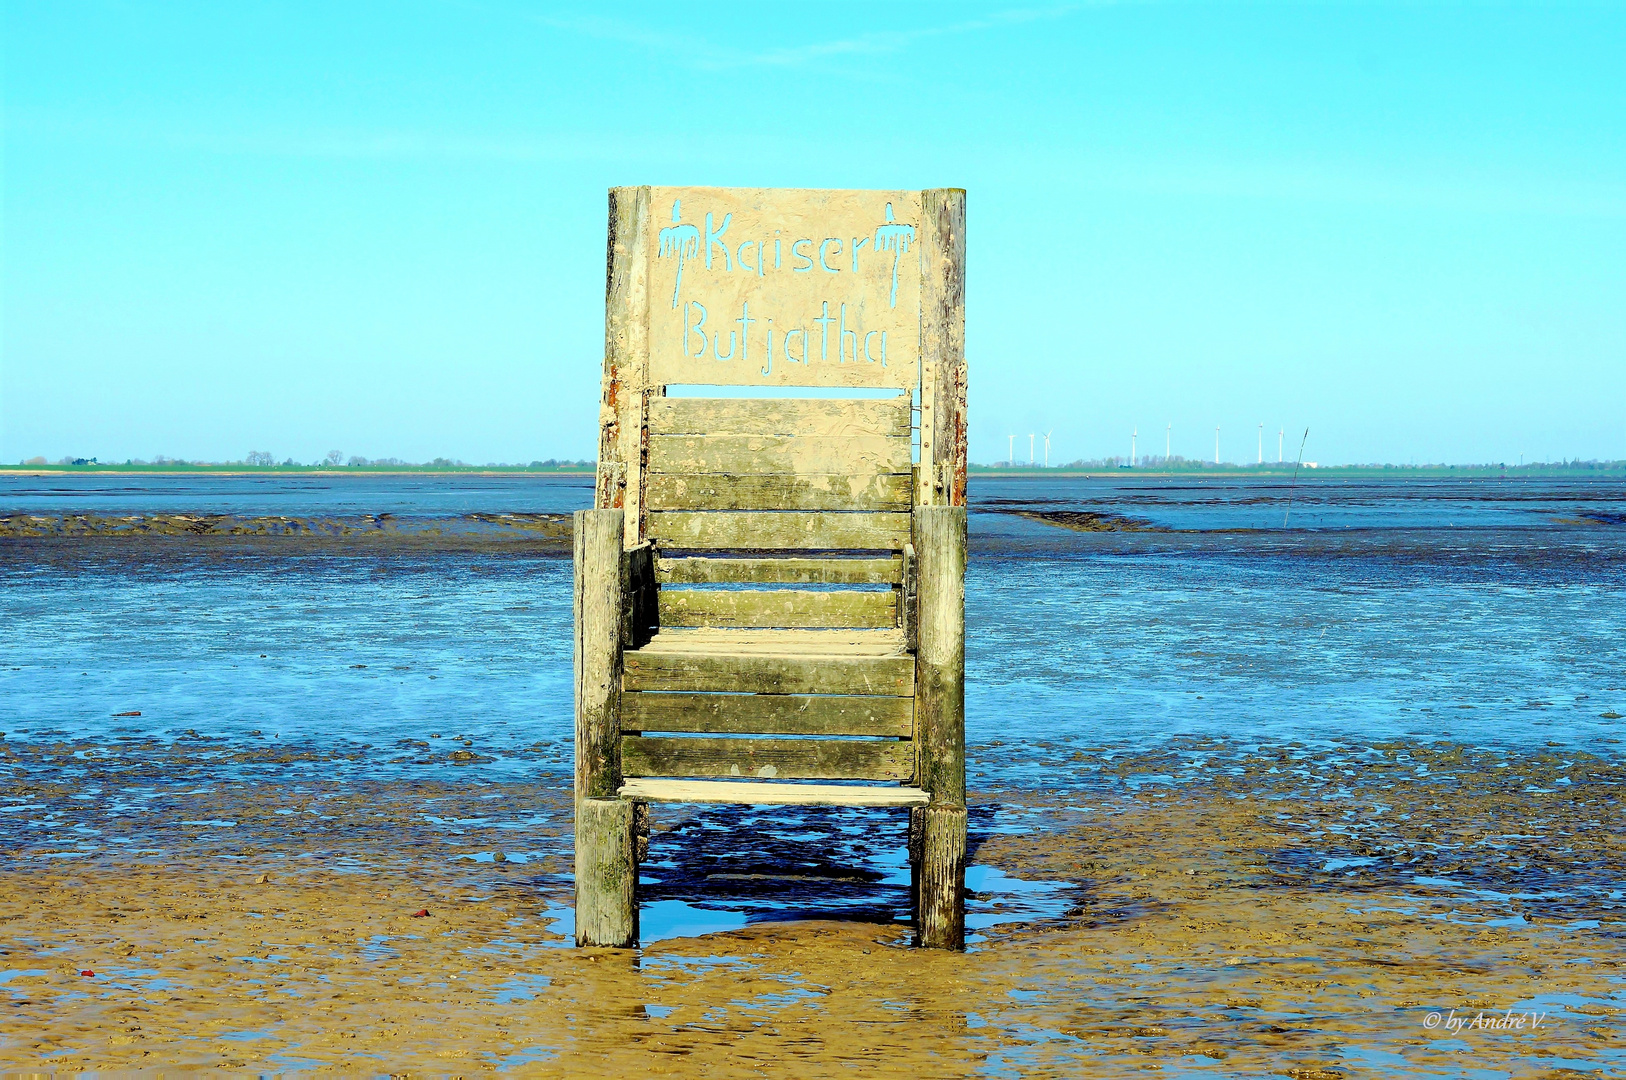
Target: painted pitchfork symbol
x=896, y=239
x=680, y=240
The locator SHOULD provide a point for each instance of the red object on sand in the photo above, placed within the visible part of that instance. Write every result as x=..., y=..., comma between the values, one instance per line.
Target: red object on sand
x=421, y=913
x=89, y=972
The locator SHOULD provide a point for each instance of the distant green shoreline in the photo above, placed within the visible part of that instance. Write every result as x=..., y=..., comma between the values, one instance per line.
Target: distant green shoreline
x=1599, y=469
x=1578, y=470
x=294, y=470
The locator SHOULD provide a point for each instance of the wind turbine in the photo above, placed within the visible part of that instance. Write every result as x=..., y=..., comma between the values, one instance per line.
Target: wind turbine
x=1047, y=448
x=1279, y=434
x=1132, y=437
x=1168, y=438
x=1216, y=444
x=1030, y=449
x=1261, y=442
x=1010, y=451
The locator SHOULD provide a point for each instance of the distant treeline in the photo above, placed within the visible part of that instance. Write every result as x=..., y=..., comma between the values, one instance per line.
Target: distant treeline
x=261, y=459
x=1183, y=464
x=334, y=460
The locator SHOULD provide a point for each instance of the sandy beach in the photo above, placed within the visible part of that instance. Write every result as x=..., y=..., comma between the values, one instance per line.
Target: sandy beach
x=1205, y=932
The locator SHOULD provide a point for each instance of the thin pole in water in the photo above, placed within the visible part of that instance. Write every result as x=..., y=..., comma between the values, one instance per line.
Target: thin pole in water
x=1295, y=482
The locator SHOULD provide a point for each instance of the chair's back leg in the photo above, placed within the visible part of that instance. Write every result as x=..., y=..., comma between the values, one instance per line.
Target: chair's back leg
x=941, y=878
x=940, y=542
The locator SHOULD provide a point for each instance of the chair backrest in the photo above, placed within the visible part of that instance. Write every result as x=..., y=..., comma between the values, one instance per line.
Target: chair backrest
x=871, y=283
x=779, y=517
x=751, y=491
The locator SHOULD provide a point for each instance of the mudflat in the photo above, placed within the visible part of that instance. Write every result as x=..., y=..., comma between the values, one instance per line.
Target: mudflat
x=1421, y=911
x=1341, y=798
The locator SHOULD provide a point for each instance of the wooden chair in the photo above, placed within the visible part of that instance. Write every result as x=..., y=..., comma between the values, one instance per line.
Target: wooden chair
x=770, y=590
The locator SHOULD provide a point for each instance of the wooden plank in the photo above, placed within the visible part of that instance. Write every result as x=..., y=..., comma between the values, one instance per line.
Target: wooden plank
x=687, y=641
x=776, y=607
x=768, y=714
x=623, y=391
x=848, y=417
x=637, y=437
x=639, y=594
x=723, y=314
x=779, y=491
x=758, y=793
x=701, y=569
x=803, y=454
x=942, y=347
x=767, y=530
x=791, y=759
x=908, y=600
x=940, y=541
x=598, y=630
x=749, y=673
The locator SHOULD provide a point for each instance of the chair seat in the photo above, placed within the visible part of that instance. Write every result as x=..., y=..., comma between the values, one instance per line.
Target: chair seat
x=887, y=641
x=711, y=660
x=654, y=789
x=845, y=693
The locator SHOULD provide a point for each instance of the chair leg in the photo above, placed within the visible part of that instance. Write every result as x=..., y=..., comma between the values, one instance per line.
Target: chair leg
x=606, y=873
x=917, y=832
x=941, y=914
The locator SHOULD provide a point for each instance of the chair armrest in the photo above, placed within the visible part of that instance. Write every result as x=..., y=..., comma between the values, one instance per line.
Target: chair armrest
x=909, y=600
x=639, y=606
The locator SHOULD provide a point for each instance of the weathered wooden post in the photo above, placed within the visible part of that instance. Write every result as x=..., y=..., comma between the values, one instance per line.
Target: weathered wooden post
x=940, y=541
x=606, y=870
x=606, y=873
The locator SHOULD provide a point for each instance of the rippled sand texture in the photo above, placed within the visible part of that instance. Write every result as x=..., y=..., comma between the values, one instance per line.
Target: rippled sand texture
x=1293, y=911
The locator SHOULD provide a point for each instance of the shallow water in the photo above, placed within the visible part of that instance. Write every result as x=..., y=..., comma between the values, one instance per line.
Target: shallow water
x=1481, y=610
x=1484, y=613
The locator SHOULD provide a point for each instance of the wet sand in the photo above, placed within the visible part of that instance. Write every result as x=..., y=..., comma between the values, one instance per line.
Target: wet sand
x=1288, y=912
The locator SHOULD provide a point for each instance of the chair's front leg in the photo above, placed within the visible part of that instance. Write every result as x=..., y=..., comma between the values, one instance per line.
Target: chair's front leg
x=606, y=866
x=606, y=873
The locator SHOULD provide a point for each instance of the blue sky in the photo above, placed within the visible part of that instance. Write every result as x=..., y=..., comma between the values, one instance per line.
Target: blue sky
x=379, y=228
